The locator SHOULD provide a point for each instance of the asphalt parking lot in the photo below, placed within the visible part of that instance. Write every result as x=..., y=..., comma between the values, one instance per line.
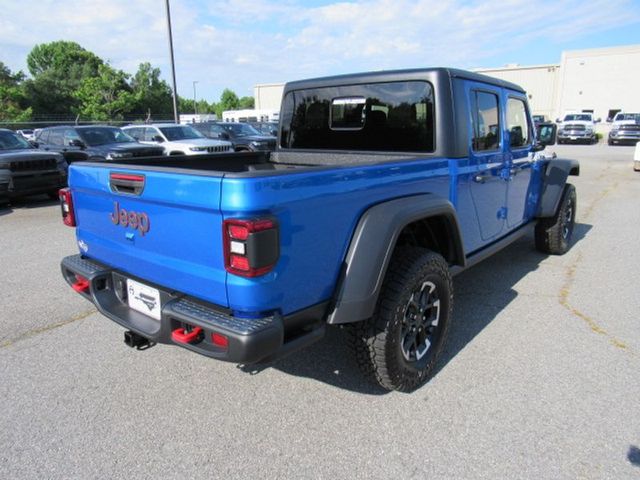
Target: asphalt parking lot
x=540, y=378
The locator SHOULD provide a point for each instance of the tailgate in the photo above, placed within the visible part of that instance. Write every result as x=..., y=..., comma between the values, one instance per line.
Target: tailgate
x=166, y=229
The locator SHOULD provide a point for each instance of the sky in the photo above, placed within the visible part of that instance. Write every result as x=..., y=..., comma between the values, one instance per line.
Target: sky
x=239, y=43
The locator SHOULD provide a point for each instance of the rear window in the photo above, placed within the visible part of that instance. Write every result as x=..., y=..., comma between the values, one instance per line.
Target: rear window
x=390, y=117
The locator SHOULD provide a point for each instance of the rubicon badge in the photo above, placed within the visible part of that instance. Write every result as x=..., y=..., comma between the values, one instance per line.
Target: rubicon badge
x=136, y=220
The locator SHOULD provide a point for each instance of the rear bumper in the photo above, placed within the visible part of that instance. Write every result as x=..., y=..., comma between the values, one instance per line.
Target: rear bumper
x=249, y=340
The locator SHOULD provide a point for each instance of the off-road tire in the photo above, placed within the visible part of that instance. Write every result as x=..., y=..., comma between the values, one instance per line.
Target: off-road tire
x=553, y=235
x=378, y=342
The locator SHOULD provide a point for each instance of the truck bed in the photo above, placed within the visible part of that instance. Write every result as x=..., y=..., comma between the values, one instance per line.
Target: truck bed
x=252, y=164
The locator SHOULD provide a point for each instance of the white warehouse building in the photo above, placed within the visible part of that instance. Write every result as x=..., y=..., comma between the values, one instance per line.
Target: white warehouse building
x=603, y=81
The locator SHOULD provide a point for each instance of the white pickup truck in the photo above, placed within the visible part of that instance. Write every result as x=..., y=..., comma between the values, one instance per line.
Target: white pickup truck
x=625, y=129
x=577, y=128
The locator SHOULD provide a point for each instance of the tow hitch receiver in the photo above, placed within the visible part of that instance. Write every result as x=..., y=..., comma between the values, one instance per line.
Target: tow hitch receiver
x=181, y=335
x=133, y=340
x=81, y=284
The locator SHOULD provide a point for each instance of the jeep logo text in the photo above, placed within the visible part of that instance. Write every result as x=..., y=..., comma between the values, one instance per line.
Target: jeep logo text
x=135, y=220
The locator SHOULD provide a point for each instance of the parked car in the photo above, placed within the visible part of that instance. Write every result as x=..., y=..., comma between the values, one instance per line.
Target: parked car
x=25, y=170
x=266, y=128
x=177, y=139
x=244, y=137
x=384, y=186
x=577, y=128
x=93, y=142
x=625, y=129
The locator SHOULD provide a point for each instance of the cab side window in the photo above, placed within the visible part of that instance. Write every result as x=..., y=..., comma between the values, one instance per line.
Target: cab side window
x=43, y=137
x=56, y=137
x=149, y=133
x=136, y=133
x=517, y=123
x=486, y=121
x=70, y=134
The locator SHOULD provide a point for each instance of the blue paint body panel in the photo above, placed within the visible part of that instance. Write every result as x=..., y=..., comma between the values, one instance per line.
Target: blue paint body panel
x=317, y=212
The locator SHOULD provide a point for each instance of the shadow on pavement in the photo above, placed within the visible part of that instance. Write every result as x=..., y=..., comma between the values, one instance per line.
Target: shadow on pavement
x=480, y=294
x=634, y=455
x=5, y=209
x=34, y=201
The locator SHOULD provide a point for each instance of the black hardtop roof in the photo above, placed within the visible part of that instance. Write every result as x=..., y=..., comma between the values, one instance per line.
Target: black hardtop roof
x=398, y=75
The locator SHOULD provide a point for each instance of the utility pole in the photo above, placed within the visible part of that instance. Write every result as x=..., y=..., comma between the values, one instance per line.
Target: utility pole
x=173, y=66
x=195, y=104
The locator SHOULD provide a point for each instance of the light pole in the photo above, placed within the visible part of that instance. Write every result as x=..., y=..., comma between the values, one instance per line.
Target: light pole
x=173, y=66
x=195, y=105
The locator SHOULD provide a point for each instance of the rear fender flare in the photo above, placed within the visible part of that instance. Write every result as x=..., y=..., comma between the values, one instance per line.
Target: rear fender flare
x=553, y=182
x=372, y=246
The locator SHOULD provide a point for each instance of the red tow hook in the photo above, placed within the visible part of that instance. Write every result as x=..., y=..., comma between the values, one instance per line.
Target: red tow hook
x=81, y=285
x=180, y=335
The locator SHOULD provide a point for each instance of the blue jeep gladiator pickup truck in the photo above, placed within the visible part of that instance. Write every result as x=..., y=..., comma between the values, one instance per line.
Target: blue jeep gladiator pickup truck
x=383, y=186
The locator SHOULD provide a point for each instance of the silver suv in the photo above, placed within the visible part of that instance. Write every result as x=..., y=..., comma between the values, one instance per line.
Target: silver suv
x=177, y=139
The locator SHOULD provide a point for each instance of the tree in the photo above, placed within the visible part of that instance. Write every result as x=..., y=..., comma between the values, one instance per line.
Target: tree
x=247, y=102
x=150, y=92
x=58, y=69
x=13, y=101
x=105, y=97
x=228, y=101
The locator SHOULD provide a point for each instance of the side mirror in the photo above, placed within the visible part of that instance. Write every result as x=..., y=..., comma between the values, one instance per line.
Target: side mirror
x=158, y=139
x=546, y=134
x=74, y=142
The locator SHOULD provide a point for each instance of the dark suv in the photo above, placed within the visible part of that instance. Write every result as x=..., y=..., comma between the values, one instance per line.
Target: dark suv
x=93, y=142
x=244, y=137
x=26, y=171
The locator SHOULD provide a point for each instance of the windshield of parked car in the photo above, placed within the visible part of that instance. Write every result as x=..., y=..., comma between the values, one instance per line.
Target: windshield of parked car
x=628, y=116
x=95, y=136
x=577, y=117
x=11, y=141
x=240, y=129
x=180, y=132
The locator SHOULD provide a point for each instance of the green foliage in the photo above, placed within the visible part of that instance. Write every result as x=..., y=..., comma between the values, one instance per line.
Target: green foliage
x=62, y=56
x=13, y=100
x=228, y=101
x=247, y=102
x=150, y=92
x=58, y=69
x=105, y=97
x=67, y=79
x=185, y=105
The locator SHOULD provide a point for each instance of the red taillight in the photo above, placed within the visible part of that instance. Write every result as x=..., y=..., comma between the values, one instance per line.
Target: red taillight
x=238, y=232
x=220, y=340
x=66, y=205
x=251, y=247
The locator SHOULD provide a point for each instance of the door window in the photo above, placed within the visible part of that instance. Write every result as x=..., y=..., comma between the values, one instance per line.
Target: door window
x=43, y=137
x=56, y=137
x=149, y=133
x=486, y=121
x=70, y=134
x=517, y=123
